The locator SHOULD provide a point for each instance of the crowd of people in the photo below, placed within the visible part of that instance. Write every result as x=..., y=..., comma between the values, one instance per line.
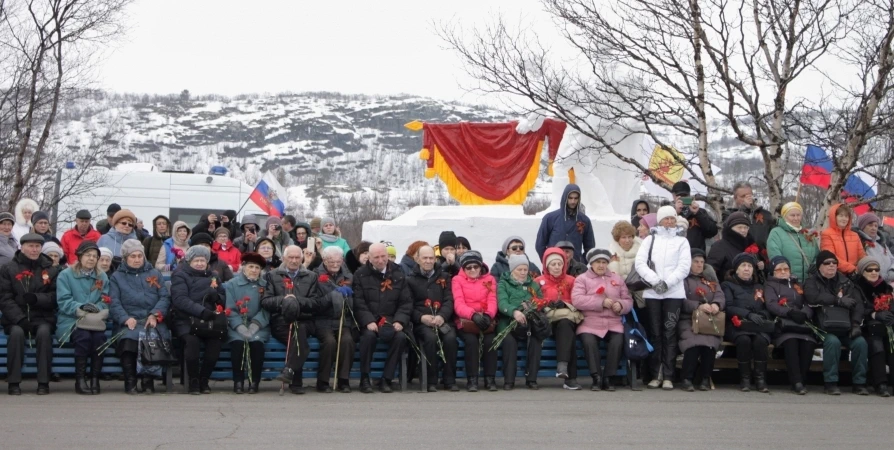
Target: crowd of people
x=757, y=279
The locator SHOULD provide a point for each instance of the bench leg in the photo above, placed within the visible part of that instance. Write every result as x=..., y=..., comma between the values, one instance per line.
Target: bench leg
x=169, y=379
x=635, y=383
x=423, y=374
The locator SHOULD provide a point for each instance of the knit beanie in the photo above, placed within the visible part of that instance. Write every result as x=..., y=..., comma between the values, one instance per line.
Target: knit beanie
x=865, y=262
x=391, y=249
x=697, y=252
x=130, y=246
x=447, y=239
x=38, y=216
x=273, y=221
x=743, y=258
x=737, y=218
x=788, y=207
x=598, y=253
x=204, y=238
x=112, y=209
x=665, y=212
x=509, y=240
x=221, y=230
x=649, y=220
x=470, y=257
x=554, y=256
x=777, y=260
x=7, y=216
x=198, y=251
x=517, y=260
x=327, y=220
x=105, y=251
x=52, y=247
x=464, y=242
x=824, y=255
x=862, y=222
x=680, y=188
x=315, y=222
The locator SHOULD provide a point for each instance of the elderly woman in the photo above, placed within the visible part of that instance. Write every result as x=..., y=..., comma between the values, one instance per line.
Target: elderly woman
x=123, y=223
x=746, y=315
x=874, y=244
x=797, y=244
x=877, y=304
x=105, y=262
x=267, y=249
x=785, y=300
x=140, y=300
x=516, y=289
x=225, y=250
x=197, y=294
x=699, y=350
x=54, y=251
x=214, y=263
x=646, y=223
x=624, y=248
x=602, y=297
x=475, y=306
x=249, y=323
x=735, y=240
x=8, y=244
x=670, y=256
x=82, y=295
x=556, y=287
x=337, y=279
x=174, y=247
x=330, y=236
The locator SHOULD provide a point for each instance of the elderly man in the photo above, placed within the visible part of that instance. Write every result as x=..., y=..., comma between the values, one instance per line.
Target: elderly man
x=761, y=222
x=338, y=302
x=292, y=296
x=383, y=306
x=28, y=305
x=82, y=231
x=431, y=288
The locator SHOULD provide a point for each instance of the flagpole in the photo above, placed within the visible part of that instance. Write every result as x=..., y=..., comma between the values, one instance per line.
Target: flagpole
x=798, y=195
x=249, y=195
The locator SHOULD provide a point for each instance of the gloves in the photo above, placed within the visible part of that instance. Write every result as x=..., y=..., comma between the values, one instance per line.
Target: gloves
x=208, y=314
x=345, y=290
x=797, y=316
x=855, y=333
x=885, y=317
x=482, y=321
x=254, y=328
x=847, y=302
x=89, y=308
x=30, y=298
x=660, y=288
x=26, y=325
x=243, y=331
x=756, y=318
x=290, y=309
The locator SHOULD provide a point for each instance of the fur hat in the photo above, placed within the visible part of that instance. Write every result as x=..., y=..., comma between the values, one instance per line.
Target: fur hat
x=124, y=214
x=34, y=237
x=203, y=238
x=665, y=212
x=509, y=240
x=471, y=257
x=105, y=251
x=737, y=218
x=517, y=260
x=130, y=246
x=253, y=258
x=864, y=220
x=447, y=239
x=52, y=247
x=86, y=246
x=824, y=255
x=198, y=251
x=865, y=262
x=598, y=253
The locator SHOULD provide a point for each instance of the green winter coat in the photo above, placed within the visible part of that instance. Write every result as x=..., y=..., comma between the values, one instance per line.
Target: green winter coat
x=238, y=289
x=72, y=291
x=782, y=241
x=510, y=296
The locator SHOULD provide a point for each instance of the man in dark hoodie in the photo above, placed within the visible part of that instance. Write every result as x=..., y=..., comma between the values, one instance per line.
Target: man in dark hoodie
x=568, y=223
x=161, y=230
x=207, y=224
x=639, y=209
x=228, y=221
x=248, y=240
x=513, y=245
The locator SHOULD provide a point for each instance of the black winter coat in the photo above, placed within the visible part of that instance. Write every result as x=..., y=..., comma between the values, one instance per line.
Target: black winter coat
x=762, y=222
x=725, y=250
x=12, y=291
x=502, y=265
x=333, y=302
x=155, y=243
x=305, y=289
x=821, y=291
x=437, y=288
x=776, y=289
x=701, y=228
x=875, y=331
x=379, y=295
x=221, y=267
x=576, y=268
x=742, y=298
x=192, y=293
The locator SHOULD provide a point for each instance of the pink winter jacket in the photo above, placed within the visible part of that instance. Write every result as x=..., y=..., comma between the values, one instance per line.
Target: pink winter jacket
x=598, y=320
x=474, y=296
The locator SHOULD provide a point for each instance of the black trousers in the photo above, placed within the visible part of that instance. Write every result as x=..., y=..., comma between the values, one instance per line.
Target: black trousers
x=798, y=356
x=86, y=342
x=614, y=343
x=15, y=352
x=472, y=356
x=397, y=342
x=297, y=354
x=563, y=331
x=329, y=347
x=428, y=343
x=255, y=356
x=663, y=318
x=510, y=355
x=879, y=360
x=192, y=346
x=700, y=357
x=751, y=348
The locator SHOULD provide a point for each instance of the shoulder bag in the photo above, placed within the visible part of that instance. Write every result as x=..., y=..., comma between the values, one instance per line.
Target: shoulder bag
x=567, y=312
x=834, y=319
x=636, y=346
x=708, y=325
x=635, y=281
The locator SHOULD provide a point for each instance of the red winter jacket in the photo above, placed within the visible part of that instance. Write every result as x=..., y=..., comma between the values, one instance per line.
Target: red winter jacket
x=72, y=239
x=232, y=256
x=555, y=288
x=474, y=296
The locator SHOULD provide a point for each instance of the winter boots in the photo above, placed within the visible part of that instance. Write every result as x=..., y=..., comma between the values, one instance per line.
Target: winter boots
x=81, y=386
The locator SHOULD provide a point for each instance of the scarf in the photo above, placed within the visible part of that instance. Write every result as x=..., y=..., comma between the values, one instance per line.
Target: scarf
x=796, y=228
x=330, y=238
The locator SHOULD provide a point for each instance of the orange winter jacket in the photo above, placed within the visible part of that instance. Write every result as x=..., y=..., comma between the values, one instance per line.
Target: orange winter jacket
x=845, y=244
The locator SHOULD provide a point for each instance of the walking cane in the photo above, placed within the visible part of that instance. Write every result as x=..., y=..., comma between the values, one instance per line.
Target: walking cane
x=341, y=323
x=282, y=386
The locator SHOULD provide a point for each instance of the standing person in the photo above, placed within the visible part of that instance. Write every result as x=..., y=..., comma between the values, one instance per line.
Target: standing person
x=797, y=244
x=574, y=268
x=430, y=287
x=123, y=223
x=602, y=297
x=513, y=245
x=447, y=246
x=8, y=244
x=313, y=247
x=736, y=239
x=225, y=250
x=196, y=293
x=556, y=287
x=104, y=225
x=745, y=300
x=516, y=288
x=623, y=248
x=228, y=221
x=785, y=300
x=701, y=225
x=639, y=209
x=475, y=305
x=330, y=236
x=672, y=261
x=462, y=246
x=839, y=239
x=249, y=323
x=760, y=221
x=174, y=248
x=275, y=233
x=408, y=261
x=154, y=244
x=82, y=292
x=877, y=304
x=25, y=208
x=874, y=244
x=567, y=223
x=699, y=350
x=646, y=223
x=142, y=232
x=316, y=225
x=28, y=307
x=41, y=226
x=207, y=224
x=248, y=241
x=383, y=306
x=288, y=225
x=140, y=300
x=829, y=287
x=336, y=314
x=82, y=231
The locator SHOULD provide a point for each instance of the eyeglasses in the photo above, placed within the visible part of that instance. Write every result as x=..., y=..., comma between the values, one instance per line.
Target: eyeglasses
x=830, y=263
x=472, y=267
x=126, y=224
x=517, y=248
x=872, y=270
x=265, y=248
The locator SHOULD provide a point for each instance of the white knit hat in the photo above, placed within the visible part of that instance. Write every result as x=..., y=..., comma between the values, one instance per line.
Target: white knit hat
x=665, y=212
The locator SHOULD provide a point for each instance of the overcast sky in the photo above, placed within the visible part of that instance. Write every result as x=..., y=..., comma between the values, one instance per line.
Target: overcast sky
x=235, y=46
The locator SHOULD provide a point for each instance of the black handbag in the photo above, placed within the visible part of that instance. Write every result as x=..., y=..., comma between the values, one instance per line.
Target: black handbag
x=784, y=325
x=208, y=329
x=766, y=326
x=636, y=346
x=539, y=325
x=155, y=350
x=635, y=281
x=834, y=319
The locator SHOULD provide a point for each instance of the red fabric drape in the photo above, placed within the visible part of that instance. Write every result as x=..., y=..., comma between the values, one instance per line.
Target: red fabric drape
x=490, y=159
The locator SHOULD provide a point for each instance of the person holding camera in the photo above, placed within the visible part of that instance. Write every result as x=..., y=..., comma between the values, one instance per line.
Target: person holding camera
x=475, y=307
x=248, y=241
x=701, y=225
x=275, y=233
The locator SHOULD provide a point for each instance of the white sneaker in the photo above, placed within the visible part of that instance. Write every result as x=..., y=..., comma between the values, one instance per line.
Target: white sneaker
x=654, y=384
x=667, y=385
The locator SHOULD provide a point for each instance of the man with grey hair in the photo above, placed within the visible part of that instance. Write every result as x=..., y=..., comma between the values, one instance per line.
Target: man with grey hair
x=762, y=221
x=292, y=296
x=383, y=307
x=335, y=280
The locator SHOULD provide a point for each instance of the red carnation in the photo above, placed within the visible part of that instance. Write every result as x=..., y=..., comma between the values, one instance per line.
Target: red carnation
x=287, y=283
x=427, y=303
x=783, y=301
x=228, y=312
x=437, y=306
x=19, y=277
x=752, y=249
x=324, y=278
x=736, y=321
x=219, y=309
x=159, y=317
x=244, y=310
x=701, y=292
x=106, y=299
x=600, y=290
x=381, y=322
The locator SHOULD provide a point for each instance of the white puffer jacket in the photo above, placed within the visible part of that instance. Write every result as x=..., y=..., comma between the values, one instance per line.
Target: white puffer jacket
x=626, y=259
x=672, y=262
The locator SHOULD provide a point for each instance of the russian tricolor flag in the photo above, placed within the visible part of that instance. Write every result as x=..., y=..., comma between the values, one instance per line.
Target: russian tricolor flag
x=270, y=196
x=858, y=187
x=817, y=170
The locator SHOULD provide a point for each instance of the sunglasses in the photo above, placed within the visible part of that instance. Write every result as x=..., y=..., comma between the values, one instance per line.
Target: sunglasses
x=126, y=224
x=517, y=248
x=830, y=263
x=872, y=270
x=472, y=267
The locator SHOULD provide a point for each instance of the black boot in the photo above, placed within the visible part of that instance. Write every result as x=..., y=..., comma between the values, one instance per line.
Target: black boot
x=81, y=386
x=745, y=376
x=491, y=384
x=194, y=388
x=472, y=384
x=147, y=385
x=254, y=387
x=95, y=373
x=239, y=387
x=597, y=383
x=365, y=385
x=760, y=376
x=204, y=388
x=129, y=368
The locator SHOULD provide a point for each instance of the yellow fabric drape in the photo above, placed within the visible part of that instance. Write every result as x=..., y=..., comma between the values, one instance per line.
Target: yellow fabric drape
x=466, y=197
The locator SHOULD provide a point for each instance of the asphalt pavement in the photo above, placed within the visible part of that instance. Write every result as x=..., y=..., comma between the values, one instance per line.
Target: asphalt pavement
x=549, y=418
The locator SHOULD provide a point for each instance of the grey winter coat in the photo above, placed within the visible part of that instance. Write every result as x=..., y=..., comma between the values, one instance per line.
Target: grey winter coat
x=713, y=295
x=8, y=248
x=138, y=293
